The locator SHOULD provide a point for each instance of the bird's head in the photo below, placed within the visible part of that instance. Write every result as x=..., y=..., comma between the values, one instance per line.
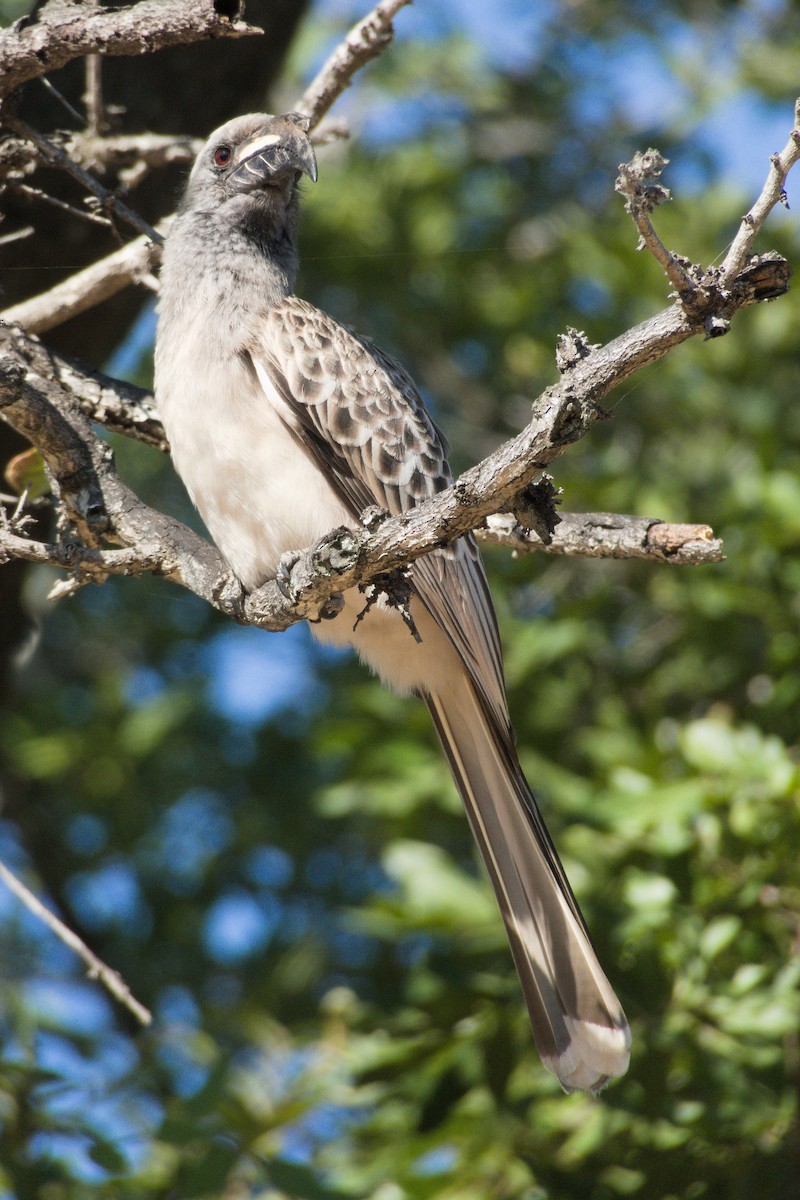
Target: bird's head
x=253, y=162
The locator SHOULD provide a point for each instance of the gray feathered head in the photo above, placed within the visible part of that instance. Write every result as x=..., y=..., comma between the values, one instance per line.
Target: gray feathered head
x=253, y=160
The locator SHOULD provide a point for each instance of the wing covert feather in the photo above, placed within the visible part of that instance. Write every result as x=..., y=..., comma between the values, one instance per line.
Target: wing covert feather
x=358, y=414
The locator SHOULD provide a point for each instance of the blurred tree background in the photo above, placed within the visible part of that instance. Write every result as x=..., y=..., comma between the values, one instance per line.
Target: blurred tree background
x=268, y=846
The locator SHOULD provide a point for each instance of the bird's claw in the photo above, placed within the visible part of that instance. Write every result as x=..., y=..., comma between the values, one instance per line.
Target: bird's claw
x=283, y=576
x=229, y=595
x=331, y=608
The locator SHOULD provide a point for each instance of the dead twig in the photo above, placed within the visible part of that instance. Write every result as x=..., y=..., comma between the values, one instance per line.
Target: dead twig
x=365, y=41
x=609, y=535
x=772, y=193
x=97, y=969
x=90, y=287
x=109, y=202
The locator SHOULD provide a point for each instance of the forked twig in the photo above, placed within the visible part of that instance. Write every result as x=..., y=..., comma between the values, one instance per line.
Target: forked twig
x=59, y=158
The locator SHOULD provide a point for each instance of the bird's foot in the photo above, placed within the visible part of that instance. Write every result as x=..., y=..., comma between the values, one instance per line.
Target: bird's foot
x=329, y=609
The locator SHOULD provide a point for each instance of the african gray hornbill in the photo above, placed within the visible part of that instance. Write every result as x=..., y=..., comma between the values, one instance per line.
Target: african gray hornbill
x=284, y=424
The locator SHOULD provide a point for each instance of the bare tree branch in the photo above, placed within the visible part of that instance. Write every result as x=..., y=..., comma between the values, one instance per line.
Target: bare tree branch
x=365, y=41
x=123, y=408
x=638, y=182
x=609, y=535
x=102, y=509
x=133, y=155
x=97, y=120
x=120, y=407
x=90, y=287
x=82, y=214
x=67, y=30
x=109, y=202
x=38, y=398
x=772, y=193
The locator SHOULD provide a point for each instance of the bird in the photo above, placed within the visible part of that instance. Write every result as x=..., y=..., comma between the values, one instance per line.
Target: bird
x=285, y=424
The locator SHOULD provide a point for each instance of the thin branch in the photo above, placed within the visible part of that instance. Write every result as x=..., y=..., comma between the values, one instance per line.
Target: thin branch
x=365, y=41
x=37, y=194
x=638, y=183
x=133, y=155
x=59, y=158
x=62, y=99
x=63, y=33
x=88, y=288
x=110, y=979
x=609, y=535
x=96, y=120
x=17, y=235
x=772, y=193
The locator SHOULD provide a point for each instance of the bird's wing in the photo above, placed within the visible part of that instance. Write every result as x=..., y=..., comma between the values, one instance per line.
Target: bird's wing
x=358, y=414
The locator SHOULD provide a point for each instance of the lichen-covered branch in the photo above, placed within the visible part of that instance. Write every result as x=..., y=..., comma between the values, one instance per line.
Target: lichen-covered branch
x=609, y=535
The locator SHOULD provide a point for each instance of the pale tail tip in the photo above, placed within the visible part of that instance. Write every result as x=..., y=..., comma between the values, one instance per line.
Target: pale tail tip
x=596, y=1054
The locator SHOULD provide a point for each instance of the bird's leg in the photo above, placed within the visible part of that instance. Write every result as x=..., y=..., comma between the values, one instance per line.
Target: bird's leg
x=396, y=589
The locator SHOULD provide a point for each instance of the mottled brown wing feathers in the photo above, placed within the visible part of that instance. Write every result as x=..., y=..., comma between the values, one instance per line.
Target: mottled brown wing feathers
x=359, y=415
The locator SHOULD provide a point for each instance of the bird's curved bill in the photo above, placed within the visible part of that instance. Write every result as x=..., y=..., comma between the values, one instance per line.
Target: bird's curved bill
x=269, y=158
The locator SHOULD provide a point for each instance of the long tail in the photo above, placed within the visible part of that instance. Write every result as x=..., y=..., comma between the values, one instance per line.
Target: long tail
x=580, y=1029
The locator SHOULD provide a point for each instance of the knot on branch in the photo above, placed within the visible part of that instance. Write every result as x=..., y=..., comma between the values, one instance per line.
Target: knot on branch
x=373, y=517
x=12, y=377
x=337, y=552
x=637, y=181
x=572, y=417
x=534, y=508
x=572, y=347
x=230, y=596
x=764, y=277
x=716, y=326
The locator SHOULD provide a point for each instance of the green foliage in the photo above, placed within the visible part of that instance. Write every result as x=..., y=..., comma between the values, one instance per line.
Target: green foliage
x=336, y=1013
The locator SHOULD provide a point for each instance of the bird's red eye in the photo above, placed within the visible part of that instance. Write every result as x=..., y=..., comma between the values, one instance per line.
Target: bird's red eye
x=222, y=156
